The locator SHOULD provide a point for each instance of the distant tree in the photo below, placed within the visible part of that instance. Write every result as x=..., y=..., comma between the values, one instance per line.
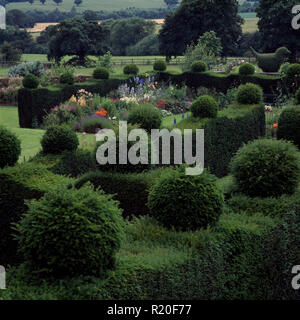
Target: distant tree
x=275, y=17
x=171, y=3
x=78, y=2
x=9, y=53
x=43, y=1
x=90, y=15
x=127, y=32
x=18, y=18
x=148, y=46
x=192, y=18
x=76, y=37
x=31, y=1
x=212, y=42
x=20, y=39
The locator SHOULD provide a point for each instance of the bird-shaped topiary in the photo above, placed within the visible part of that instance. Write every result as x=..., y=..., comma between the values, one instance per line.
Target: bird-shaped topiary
x=271, y=62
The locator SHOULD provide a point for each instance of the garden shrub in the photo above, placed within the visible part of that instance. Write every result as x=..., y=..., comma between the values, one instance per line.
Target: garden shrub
x=186, y=202
x=58, y=139
x=74, y=163
x=67, y=78
x=30, y=81
x=146, y=116
x=249, y=93
x=246, y=69
x=110, y=107
x=131, y=69
x=17, y=184
x=95, y=124
x=70, y=232
x=10, y=148
x=293, y=72
x=21, y=70
x=160, y=65
x=289, y=125
x=267, y=168
x=101, y=73
x=131, y=190
x=198, y=66
x=204, y=107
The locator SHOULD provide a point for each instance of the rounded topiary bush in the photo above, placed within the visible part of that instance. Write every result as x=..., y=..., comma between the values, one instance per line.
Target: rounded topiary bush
x=146, y=116
x=205, y=107
x=10, y=148
x=58, y=139
x=101, y=73
x=70, y=232
x=246, y=69
x=249, y=93
x=198, y=66
x=289, y=125
x=293, y=71
x=67, y=78
x=160, y=65
x=186, y=202
x=266, y=168
x=30, y=81
x=131, y=69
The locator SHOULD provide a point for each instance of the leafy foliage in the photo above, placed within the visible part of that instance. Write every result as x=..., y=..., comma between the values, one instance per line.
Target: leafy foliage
x=185, y=202
x=10, y=148
x=249, y=93
x=160, y=65
x=246, y=69
x=146, y=116
x=267, y=168
x=204, y=107
x=70, y=232
x=58, y=139
x=30, y=81
x=198, y=66
x=131, y=69
x=289, y=124
x=101, y=73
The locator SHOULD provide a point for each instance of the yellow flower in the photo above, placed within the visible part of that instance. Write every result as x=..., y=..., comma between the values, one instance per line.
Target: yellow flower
x=73, y=99
x=82, y=102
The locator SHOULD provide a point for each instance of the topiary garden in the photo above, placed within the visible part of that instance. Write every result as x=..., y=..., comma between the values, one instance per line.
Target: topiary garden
x=76, y=224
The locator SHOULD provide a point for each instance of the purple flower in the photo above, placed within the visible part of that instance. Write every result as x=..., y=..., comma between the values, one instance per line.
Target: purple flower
x=175, y=121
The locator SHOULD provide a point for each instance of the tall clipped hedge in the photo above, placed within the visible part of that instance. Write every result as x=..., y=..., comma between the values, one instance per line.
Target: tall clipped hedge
x=225, y=134
x=18, y=184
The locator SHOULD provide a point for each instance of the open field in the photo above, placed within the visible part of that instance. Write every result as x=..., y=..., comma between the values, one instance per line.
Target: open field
x=250, y=25
x=96, y=5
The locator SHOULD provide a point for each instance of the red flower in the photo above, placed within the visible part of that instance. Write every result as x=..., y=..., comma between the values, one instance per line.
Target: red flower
x=161, y=104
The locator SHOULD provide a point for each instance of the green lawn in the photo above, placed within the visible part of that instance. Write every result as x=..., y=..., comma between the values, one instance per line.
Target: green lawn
x=30, y=138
